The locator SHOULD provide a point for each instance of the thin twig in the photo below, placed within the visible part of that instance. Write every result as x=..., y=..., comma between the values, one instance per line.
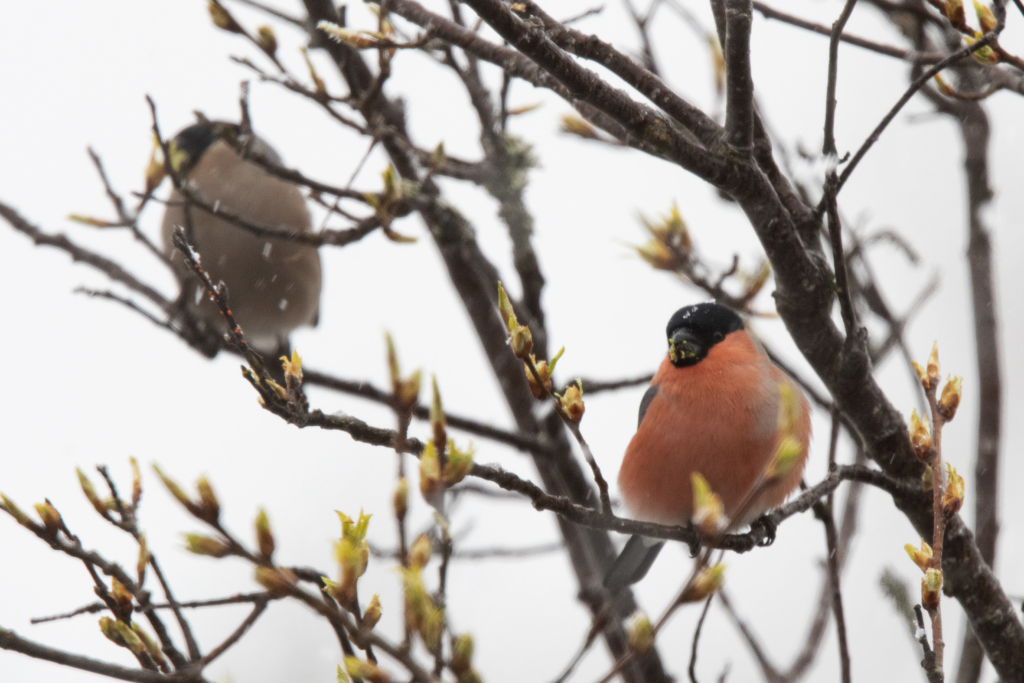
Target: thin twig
x=691, y=670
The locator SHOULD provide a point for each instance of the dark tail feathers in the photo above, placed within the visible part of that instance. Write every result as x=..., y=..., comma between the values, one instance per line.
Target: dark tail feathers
x=632, y=563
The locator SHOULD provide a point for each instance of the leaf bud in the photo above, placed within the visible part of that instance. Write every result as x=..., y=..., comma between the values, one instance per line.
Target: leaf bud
x=519, y=336
x=659, y=256
x=90, y=493
x=521, y=341
x=409, y=391
x=419, y=554
x=278, y=390
x=544, y=370
x=949, y=401
x=574, y=125
x=986, y=19
x=20, y=517
x=209, y=507
x=922, y=558
x=432, y=628
x=933, y=366
x=368, y=671
x=267, y=40
x=264, y=536
x=706, y=583
x=177, y=492
x=430, y=470
x=984, y=55
x=438, y=158
x=931, y=588
x=152, y=647
x=437, y=418
x=108, y=628
x=204, y=545
x=926, y=479
x=292, y=366
x=222, y=19
x=708, y=511
x=462, y=654
x=955, y=12
x=572, y=401
x=458, y=463
x=394, y=370
x=278, y=581
x=921, y=438
x=640, y=633
x=140, y=564
x=788, y=457
x=371, y=615
x=136, y=482
x=130, y=637
x=50, y=517
x=922, y=374
x=416, y=598
x=400, y=500
x=121, y=596
x=339, y=34
x=953, y=496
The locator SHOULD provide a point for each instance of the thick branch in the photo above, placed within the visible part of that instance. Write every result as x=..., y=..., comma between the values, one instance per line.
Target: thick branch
x=739, y=85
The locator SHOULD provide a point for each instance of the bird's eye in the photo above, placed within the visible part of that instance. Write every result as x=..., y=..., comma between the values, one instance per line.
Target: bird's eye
x=718, y=337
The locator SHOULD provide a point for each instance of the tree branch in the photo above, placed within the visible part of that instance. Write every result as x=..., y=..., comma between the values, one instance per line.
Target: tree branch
x=739, y=85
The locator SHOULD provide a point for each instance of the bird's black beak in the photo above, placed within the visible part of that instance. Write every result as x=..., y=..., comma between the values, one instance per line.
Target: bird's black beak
x=684, y=348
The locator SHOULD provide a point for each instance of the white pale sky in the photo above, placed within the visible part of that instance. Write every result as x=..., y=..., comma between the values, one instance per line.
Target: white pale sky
x=88, y=382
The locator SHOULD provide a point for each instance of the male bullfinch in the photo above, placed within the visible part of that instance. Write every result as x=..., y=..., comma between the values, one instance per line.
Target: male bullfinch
x=712, y=408
x=273, y=284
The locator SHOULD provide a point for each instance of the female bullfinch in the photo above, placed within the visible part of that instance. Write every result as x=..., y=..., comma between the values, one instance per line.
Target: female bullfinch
x=712, y=408
x=273, y=284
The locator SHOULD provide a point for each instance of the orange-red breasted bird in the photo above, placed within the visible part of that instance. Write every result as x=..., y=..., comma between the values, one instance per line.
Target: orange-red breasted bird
x=712, y=408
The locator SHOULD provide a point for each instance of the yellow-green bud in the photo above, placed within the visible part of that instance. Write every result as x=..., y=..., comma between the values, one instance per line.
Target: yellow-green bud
x=949, y=401
x=931, y=588
x=90, y=493
x=706, y=583
x=400, y=500
x=922, y=558
x=209, y=507
x=953, y=496
x=204, y=545
x=267, y=40
x=264, y=537
x=50, y=517
x=278, y=581
x=371, y=615
x=640, y=633
x=462, y=654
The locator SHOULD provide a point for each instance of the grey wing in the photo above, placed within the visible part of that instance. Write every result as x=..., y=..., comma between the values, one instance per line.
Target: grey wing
x=645, y=402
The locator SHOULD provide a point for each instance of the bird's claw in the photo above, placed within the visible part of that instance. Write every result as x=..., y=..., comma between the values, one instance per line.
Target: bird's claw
x=694, y=544
x=766, y=526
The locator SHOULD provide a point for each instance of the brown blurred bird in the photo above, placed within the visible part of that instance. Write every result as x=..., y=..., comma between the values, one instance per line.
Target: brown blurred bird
x=273, y=284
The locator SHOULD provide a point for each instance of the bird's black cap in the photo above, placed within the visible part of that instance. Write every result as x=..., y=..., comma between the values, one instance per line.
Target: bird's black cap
x=192, y=142
x=693, y=330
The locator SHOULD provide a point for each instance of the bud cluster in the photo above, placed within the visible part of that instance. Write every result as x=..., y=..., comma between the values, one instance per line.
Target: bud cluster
x=544, y=370
x=207, y=508
x=671, y=246
x=352, y=552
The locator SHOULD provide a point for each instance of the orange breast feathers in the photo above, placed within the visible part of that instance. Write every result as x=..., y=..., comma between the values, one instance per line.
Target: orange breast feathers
x=720, y=418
